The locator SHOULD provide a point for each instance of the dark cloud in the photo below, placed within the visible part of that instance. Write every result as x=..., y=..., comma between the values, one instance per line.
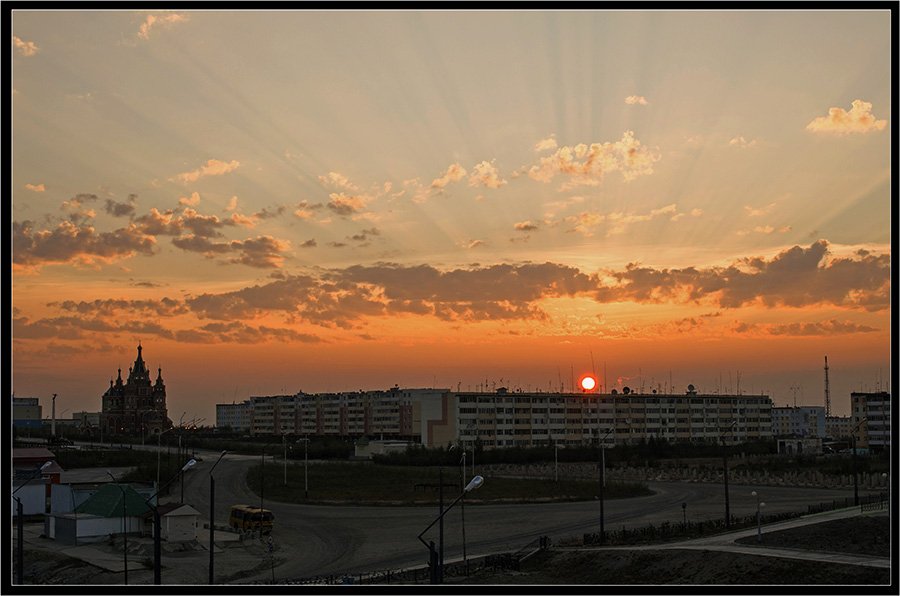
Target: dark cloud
x=78, y=245
x=121, y=209
x=803, y=329
x=796, y=277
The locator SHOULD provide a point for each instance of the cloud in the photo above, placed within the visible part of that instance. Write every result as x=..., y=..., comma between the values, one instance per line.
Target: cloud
x=213, y=167
x=117, y=209
x=346, y=205
x=263, y=252
x=453, y=174
x=68, y=244
x=803, y=329
x=485, y=174
x=752, y=212
x=192, y=200
x=858, y=119
x=740, y=141
x=617, y=221
x=154, y=22
x=336, y=179
x=38, y=188
x=364, y=237
x=635, y=99
x=545, y=144
x=586, y=165
x=526, y=226
x=232, y=204
x=26, y=48
x=794, y=278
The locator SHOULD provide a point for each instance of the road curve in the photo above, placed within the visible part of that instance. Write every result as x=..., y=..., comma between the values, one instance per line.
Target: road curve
x=316, y=540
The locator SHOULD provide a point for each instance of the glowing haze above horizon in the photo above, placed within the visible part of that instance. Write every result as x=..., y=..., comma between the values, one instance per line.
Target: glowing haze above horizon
x=282, y=201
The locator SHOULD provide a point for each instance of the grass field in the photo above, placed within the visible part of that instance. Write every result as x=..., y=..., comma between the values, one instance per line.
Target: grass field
x=368, y=483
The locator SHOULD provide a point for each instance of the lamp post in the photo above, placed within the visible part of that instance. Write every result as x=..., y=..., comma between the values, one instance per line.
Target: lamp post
x=602, y=471
x=758, y=516
x=20, y=534
x=725, y=472
x=436, y=566
x=157, y=541
x=159, y=450
x=212, y=516
x=124, y=529
x=855, y=478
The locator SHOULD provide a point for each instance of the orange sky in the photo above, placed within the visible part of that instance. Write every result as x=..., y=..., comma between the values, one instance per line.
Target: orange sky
x=324, y=201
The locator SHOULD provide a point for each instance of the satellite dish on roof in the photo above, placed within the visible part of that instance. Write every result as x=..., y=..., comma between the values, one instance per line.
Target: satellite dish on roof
x=691, y=388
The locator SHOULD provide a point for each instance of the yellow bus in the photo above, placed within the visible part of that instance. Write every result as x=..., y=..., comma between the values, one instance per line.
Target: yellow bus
x=247, y=517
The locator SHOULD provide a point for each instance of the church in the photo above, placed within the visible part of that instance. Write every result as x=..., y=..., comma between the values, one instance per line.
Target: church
x=136, y=406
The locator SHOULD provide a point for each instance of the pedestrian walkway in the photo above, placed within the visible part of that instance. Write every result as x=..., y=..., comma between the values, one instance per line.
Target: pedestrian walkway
x=727, y=542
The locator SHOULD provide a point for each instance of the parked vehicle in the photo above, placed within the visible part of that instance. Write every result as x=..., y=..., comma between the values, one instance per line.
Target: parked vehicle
x=249, y=518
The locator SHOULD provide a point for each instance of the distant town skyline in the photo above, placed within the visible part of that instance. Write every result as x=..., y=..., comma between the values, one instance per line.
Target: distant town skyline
x=321, y=201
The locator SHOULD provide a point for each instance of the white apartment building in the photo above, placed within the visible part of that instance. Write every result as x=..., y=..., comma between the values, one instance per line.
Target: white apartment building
x=439, y=417
x=872, y=413
x=802, y=421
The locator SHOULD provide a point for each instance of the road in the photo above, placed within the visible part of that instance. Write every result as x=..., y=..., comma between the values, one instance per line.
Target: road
x=316, y=540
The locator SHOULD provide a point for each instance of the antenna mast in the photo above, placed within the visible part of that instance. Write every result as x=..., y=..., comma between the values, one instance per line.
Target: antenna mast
x=827, y=391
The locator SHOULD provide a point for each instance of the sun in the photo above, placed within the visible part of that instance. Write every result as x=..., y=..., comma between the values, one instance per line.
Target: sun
x=588, y=383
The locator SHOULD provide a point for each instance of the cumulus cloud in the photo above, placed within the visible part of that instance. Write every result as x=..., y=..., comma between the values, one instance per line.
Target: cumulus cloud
x=635, y=99
x=339, y=180
x=347, y=205
x=117, y=209
x=587, y=164
x=213, y=167
x=485, y=174
x=795, y=278
x=756, y=212
x=545, y=144
x=262, y=252
x=858, y=119
x=192, y=200
x=453, y=174
x=525, y=226
x=740, y=141
x=68, y=244
x=26, y=48
x=164, y=21
x=35, y=188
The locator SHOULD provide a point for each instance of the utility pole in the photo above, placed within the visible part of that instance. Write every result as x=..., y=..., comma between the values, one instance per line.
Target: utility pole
x=827, y=391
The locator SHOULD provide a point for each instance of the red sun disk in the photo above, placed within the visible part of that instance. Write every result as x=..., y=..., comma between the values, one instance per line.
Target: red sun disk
x=588, y=383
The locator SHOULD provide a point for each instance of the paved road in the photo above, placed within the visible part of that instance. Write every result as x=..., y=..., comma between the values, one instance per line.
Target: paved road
x=322, y=540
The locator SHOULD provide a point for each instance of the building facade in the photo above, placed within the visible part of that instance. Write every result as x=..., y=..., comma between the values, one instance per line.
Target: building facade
x=439, y=417
x=234, y=415
x=26, y=412
x=136, y=405
x=803, y=421
x=871, y=413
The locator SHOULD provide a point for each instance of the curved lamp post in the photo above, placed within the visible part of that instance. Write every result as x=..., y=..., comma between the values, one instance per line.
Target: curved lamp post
x=758, y=516
x=602, y=473
x=212, y=516
x=855, y=478
x=157, y=541
x=435, y=564
x=124, y=528
x=725, y=471
x=20, y=534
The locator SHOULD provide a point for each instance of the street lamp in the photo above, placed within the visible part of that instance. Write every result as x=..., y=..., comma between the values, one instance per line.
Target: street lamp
x=159, y=450
x=725, y=472
x=602, y=471
x=20, y=513
x=855, y=479
x=758, y=516
x=436, y=566
x=212, y=516
x=124, y=529
x=157, y=541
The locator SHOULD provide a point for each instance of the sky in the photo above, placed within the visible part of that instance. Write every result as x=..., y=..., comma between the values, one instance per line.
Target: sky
x=280, y=201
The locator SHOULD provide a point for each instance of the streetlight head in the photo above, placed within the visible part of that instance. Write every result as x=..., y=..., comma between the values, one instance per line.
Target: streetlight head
x=762, y=504
x=188, y=465
x=46, y=463
x=475, y=483
x=224, y=451
x=753, y=494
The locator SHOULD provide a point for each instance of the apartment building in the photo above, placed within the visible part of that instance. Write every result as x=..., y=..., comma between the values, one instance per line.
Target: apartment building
x=234, y=415
x=803, y=421
x=871, y=413
x=439, y=417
